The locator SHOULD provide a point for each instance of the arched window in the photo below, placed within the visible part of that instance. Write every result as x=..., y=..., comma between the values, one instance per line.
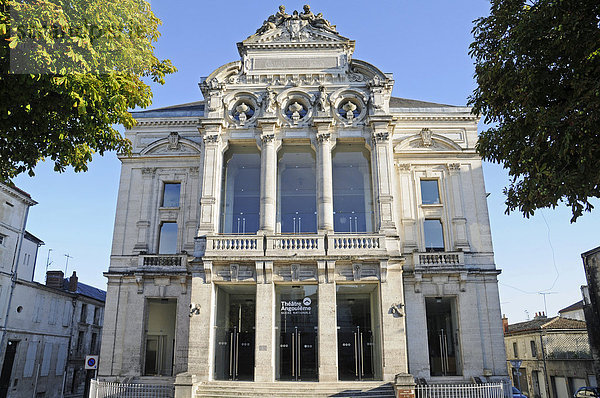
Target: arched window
x=240, y=191
x=352, y=195
x=297, y=190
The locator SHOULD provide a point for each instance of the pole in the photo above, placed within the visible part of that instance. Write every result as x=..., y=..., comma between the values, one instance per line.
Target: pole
x=67, y=263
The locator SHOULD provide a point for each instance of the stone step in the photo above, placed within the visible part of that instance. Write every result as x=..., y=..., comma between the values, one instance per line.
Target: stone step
x=295, y=390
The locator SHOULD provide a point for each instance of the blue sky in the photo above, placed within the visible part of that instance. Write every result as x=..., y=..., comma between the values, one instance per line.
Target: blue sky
x=423, y=43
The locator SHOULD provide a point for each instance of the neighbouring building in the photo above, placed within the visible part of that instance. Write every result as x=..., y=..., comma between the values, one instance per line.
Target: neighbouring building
x=45, y=329
x=554, y=353
x=591, y=308
x=302, y=224
x=574, y=311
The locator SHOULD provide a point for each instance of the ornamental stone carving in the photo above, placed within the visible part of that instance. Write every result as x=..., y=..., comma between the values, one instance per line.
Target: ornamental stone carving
x=426, y=138
x=381, y=136
x=173, y=141
x=323, y=104
x=295, y=108
x=296, y=21
x=210, y=138
x=267, y=138
x=270, y=101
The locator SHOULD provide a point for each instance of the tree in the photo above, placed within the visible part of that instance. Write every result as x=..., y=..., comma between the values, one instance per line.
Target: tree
x=69, y=72
x=537, y=66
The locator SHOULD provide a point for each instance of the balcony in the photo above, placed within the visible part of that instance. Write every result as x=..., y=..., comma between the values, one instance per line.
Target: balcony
x=439, y=260
x=163, y=262
x=300, y=245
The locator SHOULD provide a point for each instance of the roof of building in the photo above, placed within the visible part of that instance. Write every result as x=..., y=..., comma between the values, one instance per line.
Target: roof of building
x=197, y=108
x=573, y=307
x=86, y=290
x=543, y=323
x=33, y=238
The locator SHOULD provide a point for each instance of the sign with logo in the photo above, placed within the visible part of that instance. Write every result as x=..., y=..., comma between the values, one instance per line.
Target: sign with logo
x=296, y=307
x=91, y=362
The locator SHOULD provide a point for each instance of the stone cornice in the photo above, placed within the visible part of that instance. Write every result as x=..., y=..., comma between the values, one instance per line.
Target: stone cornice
x=168, y=122
x=18, y=195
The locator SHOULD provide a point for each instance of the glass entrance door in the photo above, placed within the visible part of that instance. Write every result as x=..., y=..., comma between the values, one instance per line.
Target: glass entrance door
x=297, y=333
x=358, y=338
x=234, y=348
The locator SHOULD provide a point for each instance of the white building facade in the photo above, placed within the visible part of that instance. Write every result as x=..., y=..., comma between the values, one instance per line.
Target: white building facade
x=301, y=224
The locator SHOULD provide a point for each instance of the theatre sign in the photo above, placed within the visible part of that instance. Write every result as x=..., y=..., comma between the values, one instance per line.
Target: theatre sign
x=300, y=223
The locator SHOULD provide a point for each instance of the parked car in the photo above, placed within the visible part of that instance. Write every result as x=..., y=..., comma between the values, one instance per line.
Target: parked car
x=517, y=393
x=587, y=392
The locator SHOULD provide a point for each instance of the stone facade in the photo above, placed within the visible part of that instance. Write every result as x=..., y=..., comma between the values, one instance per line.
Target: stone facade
x=303, y=219
x=591, y=308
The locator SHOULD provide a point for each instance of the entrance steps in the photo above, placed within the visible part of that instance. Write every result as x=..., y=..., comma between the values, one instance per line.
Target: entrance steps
x=231, y=389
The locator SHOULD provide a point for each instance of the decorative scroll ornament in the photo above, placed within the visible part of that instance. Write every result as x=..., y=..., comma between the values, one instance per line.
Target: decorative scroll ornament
x=194, y=309
x=173, y=141
x=397, y=310
x=426, y=138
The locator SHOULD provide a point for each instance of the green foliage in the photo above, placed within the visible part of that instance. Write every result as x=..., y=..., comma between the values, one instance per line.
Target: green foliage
x=537, y=65
x=69, y=72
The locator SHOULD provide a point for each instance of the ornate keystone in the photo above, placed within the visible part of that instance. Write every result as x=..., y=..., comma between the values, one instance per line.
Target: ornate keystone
x=426, y=138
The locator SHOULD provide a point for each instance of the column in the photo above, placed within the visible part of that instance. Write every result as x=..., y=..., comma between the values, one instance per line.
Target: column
x=212, y=163
x=395, y=359
x=324, y=179
x=382, y=165
x=264, y=350
x=268, y=178
x=328, y=371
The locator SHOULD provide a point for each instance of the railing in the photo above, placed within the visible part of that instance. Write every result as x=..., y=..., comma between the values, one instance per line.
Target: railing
x=295, y=245
x=235, y=245
x=162, y=261
x=102, y=389
x=355, y=244
x=487, y=390
x=441, y=259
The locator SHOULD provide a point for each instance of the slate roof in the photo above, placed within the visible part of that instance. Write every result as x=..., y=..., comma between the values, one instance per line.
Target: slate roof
x=86, y=290
x=546, y=324
x=180, y=110
x=397, y=102
x=573, y=307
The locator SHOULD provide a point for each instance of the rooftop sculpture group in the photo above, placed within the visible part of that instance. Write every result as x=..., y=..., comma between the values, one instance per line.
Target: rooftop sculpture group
x=316, y=21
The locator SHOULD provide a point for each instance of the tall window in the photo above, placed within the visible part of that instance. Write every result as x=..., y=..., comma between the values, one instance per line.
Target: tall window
x=515, y=350
x=434, y=235
x=430, y=193
x=533, y=349
x=241, y=191
x=83, y=315
x=171, y=192
x=352, y=197
x=297, y=193
x=167, y=243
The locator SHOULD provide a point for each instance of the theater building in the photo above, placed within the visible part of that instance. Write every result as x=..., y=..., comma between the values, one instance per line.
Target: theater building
x=300, y=224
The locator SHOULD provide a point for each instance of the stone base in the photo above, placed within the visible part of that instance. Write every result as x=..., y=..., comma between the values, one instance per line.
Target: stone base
x=404, y=385
x=184, y=385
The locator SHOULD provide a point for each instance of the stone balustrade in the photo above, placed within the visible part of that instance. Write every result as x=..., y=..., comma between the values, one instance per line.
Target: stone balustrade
x=235, y=245
x=299, y=245
x=439, y=259
x=355, y=244
x=162, y=261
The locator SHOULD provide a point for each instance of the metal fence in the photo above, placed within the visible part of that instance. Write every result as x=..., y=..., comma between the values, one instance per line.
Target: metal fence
x=487, y=390
x=102, y=389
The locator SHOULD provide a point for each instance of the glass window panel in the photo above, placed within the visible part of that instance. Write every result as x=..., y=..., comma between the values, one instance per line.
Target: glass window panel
x=434, y=236
x=352, y=197
x=171, y=194
x=168, y=238
x=297, y=184
x=241, y=191
x=430, y=194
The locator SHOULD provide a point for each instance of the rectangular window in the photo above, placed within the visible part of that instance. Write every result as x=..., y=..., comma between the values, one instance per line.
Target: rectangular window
x=533, y=349
x=171, y=192
x=430, y=193
x=434, y=235
x=167, y=243
x=96, y=315
x=515, y=350
x=93, y=343
x=79, y=345
x=1, y=239
x=83, y=316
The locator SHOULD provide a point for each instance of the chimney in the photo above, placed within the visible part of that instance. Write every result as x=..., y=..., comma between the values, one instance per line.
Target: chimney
x=505, y=323
x=54, y=279
x=73, y=282
x=540, y=315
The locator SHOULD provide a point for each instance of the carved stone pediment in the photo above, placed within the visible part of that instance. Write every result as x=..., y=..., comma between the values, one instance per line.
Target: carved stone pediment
x=426, y=140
